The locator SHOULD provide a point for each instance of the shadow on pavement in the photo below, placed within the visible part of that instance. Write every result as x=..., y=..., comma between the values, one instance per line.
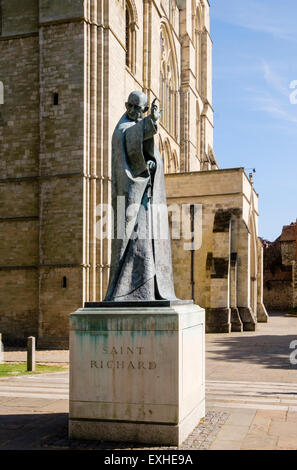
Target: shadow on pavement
x=30, y=431
x=50, y=432
x=47, y=431
x=271, y=351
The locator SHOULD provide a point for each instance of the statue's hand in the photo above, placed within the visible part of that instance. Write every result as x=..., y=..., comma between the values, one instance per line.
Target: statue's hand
x=154, y=111
x=151, y=165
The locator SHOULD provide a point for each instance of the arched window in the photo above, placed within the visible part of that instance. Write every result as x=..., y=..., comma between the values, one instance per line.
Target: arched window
x=128, y=38
x=167, y=157
x=131, y=25
x=198, y=50
x=212, y=158
x=174, y=165
x=168, y=84
x=161, y=149
x=198, y=133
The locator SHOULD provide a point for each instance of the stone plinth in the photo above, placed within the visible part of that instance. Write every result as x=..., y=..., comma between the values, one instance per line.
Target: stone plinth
x=137, y=373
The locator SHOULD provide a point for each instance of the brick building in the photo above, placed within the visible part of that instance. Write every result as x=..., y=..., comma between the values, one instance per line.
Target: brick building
x=67, y=67
x=280, y=270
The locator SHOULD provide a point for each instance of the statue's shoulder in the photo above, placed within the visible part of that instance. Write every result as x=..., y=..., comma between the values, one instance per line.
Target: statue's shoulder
x=124, y=123
x=120, y=129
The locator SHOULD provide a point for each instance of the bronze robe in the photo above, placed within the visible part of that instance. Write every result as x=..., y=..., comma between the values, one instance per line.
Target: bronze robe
x=141, y=266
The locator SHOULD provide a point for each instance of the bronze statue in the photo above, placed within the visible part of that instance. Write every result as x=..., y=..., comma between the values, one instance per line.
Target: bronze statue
x=141, y=265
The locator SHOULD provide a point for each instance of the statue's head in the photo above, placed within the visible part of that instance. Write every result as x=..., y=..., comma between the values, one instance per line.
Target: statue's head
x=136, y=105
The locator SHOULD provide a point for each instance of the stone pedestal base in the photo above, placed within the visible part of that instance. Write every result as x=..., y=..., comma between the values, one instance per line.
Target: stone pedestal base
x=262, y=315
x=218, y=320
x=236, y=323
x=247, y=318
x=137, y=373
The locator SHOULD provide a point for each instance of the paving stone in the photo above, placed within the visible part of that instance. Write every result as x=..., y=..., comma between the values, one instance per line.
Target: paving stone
x=273, y=414
x=283, y=429
x=292, y=416
x=17, y=411
x=232, y=433
x=262, y=419
x=59, y=406
x=259, y=428
x=4, y=400
x=225, y=445
x=241, y=418
x=287, y=443
x=32, y=403
x=293, y=409
x=259, y=442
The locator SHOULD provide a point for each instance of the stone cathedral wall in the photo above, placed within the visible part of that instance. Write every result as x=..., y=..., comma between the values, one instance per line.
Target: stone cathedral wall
x=61, y=168
x=19, y=137
x=41, y=166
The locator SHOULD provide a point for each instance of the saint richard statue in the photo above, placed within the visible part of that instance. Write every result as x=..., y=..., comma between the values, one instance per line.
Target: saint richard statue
x=141, y=265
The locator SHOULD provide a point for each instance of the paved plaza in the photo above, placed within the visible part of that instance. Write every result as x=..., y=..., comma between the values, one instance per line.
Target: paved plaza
x=251, y=393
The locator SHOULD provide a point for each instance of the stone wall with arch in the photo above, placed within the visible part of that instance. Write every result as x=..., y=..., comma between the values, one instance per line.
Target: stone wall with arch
x=169, y=81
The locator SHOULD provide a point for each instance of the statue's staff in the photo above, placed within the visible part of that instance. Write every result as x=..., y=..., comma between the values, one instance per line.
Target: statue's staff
x=155, y=115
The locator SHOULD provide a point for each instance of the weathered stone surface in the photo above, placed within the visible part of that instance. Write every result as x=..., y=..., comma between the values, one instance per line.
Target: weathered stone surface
x=221, y=268
x=248, y=319
x=53, y=10
x=224, y=275
x=280, y=269
x=19, y=17
x=236, y=323
x=218, y=320
x=137, y=365
x=19, y=133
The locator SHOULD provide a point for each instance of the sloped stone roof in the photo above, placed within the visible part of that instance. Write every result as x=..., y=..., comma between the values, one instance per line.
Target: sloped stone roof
x=289, y=233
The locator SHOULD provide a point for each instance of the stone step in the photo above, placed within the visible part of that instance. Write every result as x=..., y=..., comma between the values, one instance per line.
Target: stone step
x=253, y=406
x=36, y=385
x=247, y=389
x=30, y=378
x=254, y=396
x=41, y=390
x=248, y=399
x=250, y=384
x=265, y=391
x=50, y=396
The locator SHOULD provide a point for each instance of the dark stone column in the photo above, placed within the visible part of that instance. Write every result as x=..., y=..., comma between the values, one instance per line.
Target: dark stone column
x=248, y=318
x=218, y=320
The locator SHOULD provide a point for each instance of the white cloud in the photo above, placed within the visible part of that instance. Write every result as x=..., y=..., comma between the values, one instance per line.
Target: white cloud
x=274, y=80
x=265, y=16
x=274, y=100
x=276, y=109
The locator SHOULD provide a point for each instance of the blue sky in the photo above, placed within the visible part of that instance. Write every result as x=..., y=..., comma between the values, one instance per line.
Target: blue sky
x=254, y=63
